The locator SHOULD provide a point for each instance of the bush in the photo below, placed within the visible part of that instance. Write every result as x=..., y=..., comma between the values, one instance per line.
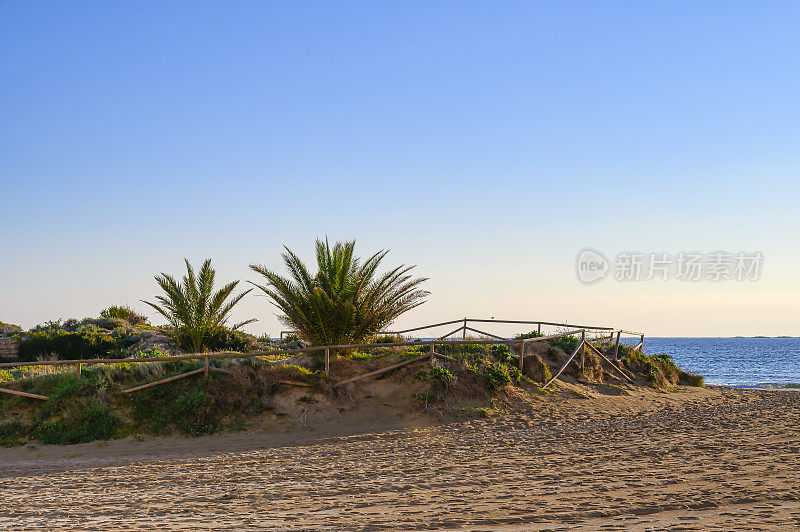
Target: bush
x=225, y=339
x=76, y=342
x=568, y=344
x=525, y=336
x=690, y=379
x=437, y=376
x=498, y=375
x=92, y=422
x=441, y=381
x=189, y=410
x=473, y=352
x=659, y=369
x=59, y=389
x=503, y=354
x=11, y=433
x=8, y=329
x=124, y=313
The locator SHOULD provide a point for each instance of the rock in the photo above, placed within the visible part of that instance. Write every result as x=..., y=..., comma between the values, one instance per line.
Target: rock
x=535, y=369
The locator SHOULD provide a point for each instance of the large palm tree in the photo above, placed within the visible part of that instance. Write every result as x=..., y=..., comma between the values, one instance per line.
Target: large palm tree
x=345, y=301
x=193, y=309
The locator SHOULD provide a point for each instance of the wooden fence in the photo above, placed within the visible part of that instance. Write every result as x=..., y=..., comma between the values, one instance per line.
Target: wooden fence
x=607, y=334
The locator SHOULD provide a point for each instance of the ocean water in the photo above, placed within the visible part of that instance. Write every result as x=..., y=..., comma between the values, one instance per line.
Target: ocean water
x=739, y=362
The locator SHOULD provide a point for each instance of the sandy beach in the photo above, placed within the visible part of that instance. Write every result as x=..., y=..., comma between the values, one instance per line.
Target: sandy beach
x=694, y=459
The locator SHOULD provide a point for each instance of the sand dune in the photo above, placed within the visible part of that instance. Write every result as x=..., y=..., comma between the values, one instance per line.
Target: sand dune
x=689, y=460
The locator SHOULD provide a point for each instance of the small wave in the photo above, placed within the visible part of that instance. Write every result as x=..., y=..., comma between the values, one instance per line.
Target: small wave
x=766, y=386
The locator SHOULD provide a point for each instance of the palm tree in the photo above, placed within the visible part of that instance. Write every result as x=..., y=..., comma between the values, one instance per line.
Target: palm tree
x=345, y=301
x=193, y=309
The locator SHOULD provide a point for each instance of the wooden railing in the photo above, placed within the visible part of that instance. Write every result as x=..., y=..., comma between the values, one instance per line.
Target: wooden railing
x=608, y=334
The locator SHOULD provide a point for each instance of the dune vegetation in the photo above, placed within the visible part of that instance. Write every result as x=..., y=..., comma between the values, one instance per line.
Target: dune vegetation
x=347, y=300
x=472, y=382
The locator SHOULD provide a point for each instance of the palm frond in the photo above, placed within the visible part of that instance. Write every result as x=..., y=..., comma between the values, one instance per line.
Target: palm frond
x=345, y=301
x=192, y=307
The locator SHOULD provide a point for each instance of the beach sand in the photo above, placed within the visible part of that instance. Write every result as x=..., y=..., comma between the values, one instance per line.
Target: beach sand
x=694, y=459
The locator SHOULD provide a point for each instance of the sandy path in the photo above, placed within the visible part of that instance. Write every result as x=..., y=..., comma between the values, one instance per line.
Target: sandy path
x=701, y=459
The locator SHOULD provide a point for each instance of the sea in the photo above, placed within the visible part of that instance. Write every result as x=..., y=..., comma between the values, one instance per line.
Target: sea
x=760, y=362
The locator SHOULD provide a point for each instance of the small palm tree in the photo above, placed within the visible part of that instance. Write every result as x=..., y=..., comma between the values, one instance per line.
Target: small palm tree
x=345, y=301
x=193, y=309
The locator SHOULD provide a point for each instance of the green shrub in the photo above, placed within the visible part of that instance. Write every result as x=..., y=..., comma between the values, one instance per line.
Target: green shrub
x=82, y=342
x=498, y=375
x=384, y=351
x=193, y=411
x=437, y=376
x=626, y=351
x=224, y=339
x=659, y=369
x=525, y=336
x=568, y=344
x=503, y=354
x=124, y=313
x=12, y=432
x=416, y=351
x=441, y=381
x=91, y=423
x=472, y=352
x=690, y=379
x=664, y=359
x=188, y=409
x=60, y=390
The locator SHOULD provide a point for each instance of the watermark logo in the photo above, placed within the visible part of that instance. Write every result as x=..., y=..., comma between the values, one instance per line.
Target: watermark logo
x=716, y=266
x=592, y=266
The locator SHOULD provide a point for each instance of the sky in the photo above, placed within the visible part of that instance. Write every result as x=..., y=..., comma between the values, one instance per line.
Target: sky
x=486, y=142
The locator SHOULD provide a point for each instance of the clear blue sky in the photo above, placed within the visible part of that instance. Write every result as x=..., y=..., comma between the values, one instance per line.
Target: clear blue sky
x=486, y=142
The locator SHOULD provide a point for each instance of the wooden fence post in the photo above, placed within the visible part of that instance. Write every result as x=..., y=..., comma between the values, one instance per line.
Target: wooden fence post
x=431, y=353
x=521, y=353
x=583, y=350
x=327, y=362
x=205, y=367
x=616, y=347
x=539, y=329
x=641, y=348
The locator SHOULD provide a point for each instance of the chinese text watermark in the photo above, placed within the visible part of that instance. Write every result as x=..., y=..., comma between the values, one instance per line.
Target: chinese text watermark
x=716, y=266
